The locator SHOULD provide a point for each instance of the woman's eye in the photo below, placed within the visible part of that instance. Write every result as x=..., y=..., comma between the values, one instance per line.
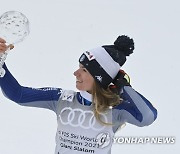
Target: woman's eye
x=84, y=70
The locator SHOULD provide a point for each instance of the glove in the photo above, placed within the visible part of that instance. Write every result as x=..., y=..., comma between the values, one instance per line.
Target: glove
x=122, y=79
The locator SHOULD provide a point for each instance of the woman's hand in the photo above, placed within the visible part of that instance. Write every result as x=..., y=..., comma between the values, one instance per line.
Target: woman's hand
x=3, y=55
x=3, y=46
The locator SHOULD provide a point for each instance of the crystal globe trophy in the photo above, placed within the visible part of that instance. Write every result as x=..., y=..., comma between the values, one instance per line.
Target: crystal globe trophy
x=14, y=27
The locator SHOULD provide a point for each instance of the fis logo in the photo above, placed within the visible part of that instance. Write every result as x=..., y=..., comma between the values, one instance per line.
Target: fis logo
x=68, y=96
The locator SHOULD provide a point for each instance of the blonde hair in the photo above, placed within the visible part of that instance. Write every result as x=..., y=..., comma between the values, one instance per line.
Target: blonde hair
x=103, y=100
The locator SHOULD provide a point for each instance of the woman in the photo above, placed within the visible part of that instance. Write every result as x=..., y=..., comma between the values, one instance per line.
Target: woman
x=88, y=120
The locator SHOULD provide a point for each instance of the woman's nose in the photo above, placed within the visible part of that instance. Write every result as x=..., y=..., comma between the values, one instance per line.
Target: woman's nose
x=76, y=73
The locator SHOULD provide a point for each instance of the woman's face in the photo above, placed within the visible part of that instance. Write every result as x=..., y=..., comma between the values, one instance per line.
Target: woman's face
x=84, y=80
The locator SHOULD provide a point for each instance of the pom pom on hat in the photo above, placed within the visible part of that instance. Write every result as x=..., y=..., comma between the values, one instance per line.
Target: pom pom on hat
x=124, y=44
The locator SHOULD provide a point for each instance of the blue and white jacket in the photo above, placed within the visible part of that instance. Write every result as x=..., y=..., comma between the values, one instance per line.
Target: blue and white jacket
x=78, y=130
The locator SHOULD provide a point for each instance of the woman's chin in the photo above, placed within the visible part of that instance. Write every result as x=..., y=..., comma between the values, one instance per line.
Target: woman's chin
x=79, y=87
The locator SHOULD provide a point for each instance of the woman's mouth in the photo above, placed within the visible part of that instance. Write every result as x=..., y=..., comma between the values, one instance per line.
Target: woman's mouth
x=78, y=81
